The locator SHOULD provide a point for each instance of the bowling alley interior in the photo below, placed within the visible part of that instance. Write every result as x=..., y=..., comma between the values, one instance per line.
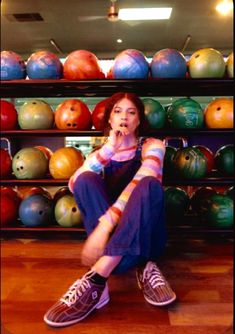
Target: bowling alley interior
x=117, y=215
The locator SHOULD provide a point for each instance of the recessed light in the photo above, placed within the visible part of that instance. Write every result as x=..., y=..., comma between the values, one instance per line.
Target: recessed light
x=224, y=7
x=119, y=40
x=127, y=14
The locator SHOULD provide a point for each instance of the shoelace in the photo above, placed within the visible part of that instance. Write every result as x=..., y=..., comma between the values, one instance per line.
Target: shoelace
x=76, y=290
x=153, y=274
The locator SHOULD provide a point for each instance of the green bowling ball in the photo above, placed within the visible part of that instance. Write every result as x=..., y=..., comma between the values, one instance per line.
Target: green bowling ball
x=176, y=201
x=224, y=159
x=168, y=164
x=35, y=114
x=155, y=113
x=219, y=211
x=185, y=113
x=67, y=213
x=230, y=192
x=30, y=163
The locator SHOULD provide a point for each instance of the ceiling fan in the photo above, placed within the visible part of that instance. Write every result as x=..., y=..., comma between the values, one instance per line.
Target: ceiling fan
x=112, y=14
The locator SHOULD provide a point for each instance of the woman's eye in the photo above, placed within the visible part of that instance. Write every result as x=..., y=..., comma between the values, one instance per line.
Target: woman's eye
x=132, y=112
x=117, y=111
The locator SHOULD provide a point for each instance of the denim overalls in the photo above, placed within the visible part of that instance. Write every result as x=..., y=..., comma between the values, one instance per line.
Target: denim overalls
x=141, y=232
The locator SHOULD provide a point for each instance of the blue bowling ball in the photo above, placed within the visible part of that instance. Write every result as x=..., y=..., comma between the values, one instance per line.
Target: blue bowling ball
x=130, y=64
x=12, y=66
x=44, y=65
x=36, y=210
x=168, y=63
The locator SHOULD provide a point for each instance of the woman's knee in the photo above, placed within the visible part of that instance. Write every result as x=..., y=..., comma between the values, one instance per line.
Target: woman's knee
x=150, y=182
x=86, y=178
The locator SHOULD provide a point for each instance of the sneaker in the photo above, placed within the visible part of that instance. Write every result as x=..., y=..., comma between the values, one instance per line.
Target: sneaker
x=156, y=289
x=78, y=302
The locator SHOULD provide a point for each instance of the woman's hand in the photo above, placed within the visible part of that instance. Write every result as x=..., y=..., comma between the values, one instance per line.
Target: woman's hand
x=116, y=136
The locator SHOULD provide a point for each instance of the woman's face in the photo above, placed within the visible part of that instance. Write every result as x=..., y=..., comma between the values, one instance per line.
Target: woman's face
x=124, y=114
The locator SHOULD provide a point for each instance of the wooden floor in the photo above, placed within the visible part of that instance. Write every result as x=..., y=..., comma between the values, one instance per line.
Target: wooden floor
x=35, y=273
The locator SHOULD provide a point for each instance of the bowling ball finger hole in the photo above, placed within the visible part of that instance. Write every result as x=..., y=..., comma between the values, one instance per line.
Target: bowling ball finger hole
x=40, y=212
x=74, y=209
x=218, y=108
x=197, y=56
x=187, y=157
x=72, y=109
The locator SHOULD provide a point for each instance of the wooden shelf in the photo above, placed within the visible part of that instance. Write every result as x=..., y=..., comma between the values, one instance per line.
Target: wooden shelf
x=103, y=88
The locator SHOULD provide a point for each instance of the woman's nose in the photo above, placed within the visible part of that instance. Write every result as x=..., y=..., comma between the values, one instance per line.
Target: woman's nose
x=124, y=115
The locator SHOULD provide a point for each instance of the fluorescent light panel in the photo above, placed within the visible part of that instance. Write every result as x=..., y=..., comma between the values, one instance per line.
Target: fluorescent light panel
x=127, y=14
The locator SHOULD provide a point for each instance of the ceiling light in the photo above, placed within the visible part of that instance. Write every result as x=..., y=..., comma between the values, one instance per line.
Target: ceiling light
x=127, y=14
x=119, y=40
x=224, y=7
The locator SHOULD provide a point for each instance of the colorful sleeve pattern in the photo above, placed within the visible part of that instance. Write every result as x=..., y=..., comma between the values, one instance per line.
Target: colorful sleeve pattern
x=153, y=151
x=94, y=163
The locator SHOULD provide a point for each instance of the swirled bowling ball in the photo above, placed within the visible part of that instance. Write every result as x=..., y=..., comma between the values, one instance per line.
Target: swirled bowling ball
x=219, y=211
x=29, y=163
x=177, y=201
x=64, y=162
x=44, y=65
x=209, y=155
x=67, y=213
x=224, y=159
x=36, y=210
x=185, y=113
x=190, y=163
x=168, y=163
x=199, y=198
x=206, y=63
x=73, y=114
x=168, y=63
x=9, y=117
x=155, y=113
x=12, y=66
x=130, y=64
x=60, y=193
x=35, y=115
x=82, y=64
x=219, y=113
x=98, y=114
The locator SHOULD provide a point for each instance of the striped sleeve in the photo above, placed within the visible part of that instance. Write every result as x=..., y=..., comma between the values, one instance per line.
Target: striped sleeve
x=94, y=163
x=153, y=151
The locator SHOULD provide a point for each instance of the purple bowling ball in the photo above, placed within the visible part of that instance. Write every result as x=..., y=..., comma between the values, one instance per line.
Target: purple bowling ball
x=12, y=66
x=130, y=64
x=168, y=63
x=44, y=65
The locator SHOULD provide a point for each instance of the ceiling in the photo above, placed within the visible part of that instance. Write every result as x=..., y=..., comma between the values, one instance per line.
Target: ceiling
x=62, y=22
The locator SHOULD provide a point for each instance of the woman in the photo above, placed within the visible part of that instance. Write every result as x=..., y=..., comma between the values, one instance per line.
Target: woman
x=118, y=190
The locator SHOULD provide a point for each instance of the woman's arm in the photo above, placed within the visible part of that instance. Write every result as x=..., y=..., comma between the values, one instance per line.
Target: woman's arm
x=153, y=151
x=94, y=162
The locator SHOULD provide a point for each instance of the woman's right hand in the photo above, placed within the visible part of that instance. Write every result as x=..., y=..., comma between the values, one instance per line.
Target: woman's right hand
x=116, y=136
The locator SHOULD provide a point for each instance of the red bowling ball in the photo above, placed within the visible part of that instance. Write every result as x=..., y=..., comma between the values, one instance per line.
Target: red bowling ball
x=6, y=163
x=9, y=210
x=98, y=115
x=8, y=116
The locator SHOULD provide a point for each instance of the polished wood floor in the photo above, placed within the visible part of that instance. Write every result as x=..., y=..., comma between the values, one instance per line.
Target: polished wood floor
x=36, y=272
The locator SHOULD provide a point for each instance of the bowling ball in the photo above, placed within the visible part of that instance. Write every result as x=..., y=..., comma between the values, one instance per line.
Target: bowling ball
x=29, y=163
x=185, y=113
x=168, y=164
x=82, y=64
x=208, y=155
x=206, y=63
x=8, y=115
x=6, y=164
x=73, y=114
x=224, y=159
x=26, y=191
x=67, y=213
x=35, y=115
x=155, y=113
x=130, y=64
x=168, y=63
x=45, y=150
x=230, y=192
x=190, y=163
x=12, y=66
x=44, y=65
x=219, y=113
x=229, y=66
x=200, y=197
x=98, y=115
x=64, y=162
x=9, y=210
x=60, y=193
x=12, y=192
x=219, y=211
x=36, y=210
x=176, y=201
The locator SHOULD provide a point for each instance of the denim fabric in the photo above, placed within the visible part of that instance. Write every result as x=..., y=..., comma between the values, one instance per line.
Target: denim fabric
x=141, y=232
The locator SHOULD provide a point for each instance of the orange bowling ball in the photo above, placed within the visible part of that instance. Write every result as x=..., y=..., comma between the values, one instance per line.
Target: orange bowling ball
x=64, y=162
x=82, y=64
x=219, y=114
x=73, y=114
